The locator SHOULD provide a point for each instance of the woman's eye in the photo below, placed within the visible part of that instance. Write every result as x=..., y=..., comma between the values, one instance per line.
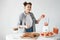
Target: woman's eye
x=29, y=7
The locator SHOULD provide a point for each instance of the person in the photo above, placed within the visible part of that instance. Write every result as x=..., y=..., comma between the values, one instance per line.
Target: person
x=27, y=18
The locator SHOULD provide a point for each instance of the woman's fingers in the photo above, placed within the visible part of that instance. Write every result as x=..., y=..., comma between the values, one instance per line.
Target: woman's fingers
x=19, y=26
x=22, y=26
x=43, y=15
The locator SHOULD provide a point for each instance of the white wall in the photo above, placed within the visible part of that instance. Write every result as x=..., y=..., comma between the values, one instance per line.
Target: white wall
x=10, y=10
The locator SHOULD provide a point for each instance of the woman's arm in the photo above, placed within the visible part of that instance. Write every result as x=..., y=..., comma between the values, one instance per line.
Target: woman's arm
x=25, y=26
x=41, y=17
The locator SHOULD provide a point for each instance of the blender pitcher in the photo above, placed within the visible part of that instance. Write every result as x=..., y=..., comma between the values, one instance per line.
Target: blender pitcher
x=46, y=25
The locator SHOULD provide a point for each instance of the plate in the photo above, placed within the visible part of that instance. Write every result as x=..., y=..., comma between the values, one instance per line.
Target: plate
x=49, y=34
x=30, y=35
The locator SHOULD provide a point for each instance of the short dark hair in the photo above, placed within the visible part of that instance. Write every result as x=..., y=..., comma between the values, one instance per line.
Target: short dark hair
x=25, y=3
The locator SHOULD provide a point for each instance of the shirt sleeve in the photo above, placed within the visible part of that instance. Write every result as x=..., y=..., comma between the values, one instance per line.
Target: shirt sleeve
x=20, y=20
x=34, y=18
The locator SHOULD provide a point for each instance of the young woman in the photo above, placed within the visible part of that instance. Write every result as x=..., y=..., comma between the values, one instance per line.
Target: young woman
x=27, y=18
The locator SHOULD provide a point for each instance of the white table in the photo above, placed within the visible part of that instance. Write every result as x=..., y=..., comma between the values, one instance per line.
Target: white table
x=17, y=37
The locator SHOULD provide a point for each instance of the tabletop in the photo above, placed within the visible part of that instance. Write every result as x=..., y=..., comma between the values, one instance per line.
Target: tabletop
x=18, y=37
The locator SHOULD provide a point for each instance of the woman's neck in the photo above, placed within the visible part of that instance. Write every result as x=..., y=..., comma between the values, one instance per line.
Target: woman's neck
x=26, y=12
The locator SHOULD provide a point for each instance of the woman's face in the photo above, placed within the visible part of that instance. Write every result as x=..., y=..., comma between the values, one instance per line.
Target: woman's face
x=27, y=8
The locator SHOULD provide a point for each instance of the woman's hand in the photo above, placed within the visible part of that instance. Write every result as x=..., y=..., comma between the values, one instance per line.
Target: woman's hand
x=41, y=17
x=25, y=26
x=21, y=26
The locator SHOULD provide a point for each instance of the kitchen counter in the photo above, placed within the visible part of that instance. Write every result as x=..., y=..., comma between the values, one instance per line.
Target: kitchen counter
x=17, y=36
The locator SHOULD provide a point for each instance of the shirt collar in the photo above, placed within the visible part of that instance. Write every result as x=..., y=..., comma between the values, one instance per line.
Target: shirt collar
x=26, y=14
